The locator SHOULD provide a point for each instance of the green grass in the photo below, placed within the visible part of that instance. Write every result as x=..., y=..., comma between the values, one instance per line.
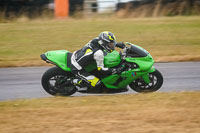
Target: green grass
x=21, y=42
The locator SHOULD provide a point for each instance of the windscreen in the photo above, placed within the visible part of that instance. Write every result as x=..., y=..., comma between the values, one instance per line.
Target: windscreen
x=136, y=52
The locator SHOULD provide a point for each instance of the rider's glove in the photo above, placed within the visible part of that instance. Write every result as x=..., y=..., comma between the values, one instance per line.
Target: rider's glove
x=117, y=70
x=120, y=45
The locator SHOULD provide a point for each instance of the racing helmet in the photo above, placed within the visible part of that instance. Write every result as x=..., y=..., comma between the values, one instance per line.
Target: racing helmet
x=107, y=41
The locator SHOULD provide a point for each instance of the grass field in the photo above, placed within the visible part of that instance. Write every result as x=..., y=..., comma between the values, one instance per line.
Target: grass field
x=167, y=38
x=136, y=113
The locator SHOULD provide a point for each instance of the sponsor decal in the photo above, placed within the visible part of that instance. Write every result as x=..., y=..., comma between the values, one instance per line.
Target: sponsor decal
x=134, y=74
x=113, y=61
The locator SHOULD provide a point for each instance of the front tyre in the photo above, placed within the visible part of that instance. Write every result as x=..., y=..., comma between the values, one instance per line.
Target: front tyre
x=156, y=81
x=55, y=81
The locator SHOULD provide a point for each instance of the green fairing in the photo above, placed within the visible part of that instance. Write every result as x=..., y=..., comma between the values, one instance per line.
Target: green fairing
x=130, y=76
x=144, y=63
x=59, y=57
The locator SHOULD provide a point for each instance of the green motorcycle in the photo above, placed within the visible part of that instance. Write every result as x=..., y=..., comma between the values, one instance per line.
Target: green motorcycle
x=138, y=73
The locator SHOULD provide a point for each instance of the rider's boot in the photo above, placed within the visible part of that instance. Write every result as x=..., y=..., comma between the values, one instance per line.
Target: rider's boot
x=79, y=84
x=93, y=87
x=98, y=88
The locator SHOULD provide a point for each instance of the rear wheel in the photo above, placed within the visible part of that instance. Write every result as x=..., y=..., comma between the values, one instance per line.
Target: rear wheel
x=55, y=81
x=156, y=81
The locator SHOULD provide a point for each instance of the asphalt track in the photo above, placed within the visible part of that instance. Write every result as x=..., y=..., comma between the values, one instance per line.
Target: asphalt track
x=24, y=82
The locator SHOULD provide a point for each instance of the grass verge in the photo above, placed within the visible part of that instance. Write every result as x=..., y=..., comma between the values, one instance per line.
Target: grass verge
x=140, y=113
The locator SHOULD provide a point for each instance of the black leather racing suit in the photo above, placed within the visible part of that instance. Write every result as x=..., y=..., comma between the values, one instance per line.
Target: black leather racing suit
x=89, y=53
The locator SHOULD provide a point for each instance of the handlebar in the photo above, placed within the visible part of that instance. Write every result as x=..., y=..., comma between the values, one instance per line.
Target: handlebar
x=125, y=49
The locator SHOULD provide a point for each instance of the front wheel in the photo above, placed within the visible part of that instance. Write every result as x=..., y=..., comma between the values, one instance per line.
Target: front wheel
x=55, y=81
x=156, y=81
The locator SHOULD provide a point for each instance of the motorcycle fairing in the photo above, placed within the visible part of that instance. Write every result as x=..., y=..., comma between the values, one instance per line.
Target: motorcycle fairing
x=110, y=81
x=59, y=58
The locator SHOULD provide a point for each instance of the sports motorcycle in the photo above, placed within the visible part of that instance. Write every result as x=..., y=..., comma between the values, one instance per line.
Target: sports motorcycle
x=138, y=72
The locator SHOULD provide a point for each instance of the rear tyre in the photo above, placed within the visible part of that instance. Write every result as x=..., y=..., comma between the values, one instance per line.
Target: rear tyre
x=156, y=81
x=55, y=81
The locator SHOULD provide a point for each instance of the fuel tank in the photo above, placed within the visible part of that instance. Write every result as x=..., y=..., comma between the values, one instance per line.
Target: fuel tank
x=112, y=59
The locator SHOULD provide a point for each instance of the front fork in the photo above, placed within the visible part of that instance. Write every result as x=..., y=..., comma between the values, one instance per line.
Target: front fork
x=145, y=76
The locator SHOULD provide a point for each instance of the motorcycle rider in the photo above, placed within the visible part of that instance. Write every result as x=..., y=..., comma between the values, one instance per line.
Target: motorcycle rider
x=94, y=50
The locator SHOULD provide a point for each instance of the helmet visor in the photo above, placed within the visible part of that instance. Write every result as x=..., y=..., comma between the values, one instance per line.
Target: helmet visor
x=111, y=45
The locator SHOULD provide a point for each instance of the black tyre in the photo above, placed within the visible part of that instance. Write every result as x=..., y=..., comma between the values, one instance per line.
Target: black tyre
x=55, y=81
x=156, y=81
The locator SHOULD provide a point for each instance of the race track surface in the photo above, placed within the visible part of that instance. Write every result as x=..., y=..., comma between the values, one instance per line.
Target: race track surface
x=24, y=82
